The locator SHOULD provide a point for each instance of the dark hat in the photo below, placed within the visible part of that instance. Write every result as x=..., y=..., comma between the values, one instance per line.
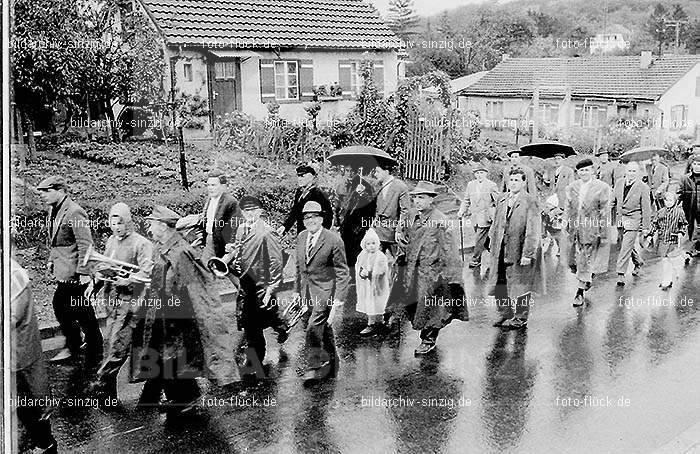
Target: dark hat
x=510, y=152
x=480, y=168
x=53, y=182
x=586, y=162
x=304, y=169
x=424, y=187
x=164, y=215
x=248, y=202
x=312, y=207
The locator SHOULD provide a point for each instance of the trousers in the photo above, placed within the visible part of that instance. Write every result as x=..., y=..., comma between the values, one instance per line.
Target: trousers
x=73, y=315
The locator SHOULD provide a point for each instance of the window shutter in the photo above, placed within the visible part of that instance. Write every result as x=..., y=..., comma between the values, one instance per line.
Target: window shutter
x=267, y=80
x=344, y=78
x=378, y=75
x=306, y=79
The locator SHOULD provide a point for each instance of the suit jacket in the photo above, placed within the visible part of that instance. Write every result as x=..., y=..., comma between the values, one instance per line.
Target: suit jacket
x=634, y=211
x=301, y=196
x=325, y=276
x=481, y=202
x=563, y=176
x=608, y=173
x=393, y=203
x=659, y=177
x=689, y=199
x=519, y=233
x=68, y=239
x=226, y=220
x=588, y=220
x=529, y=176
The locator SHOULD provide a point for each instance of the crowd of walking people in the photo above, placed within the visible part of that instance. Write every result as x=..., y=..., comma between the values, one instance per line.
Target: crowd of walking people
x=385, y=247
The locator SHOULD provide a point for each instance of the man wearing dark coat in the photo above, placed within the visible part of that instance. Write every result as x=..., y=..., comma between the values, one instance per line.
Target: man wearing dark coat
x=690, y=200
x=356, y=216
x=183, y=332
x=220, y=216
x=322, y=284
x=515, y=242
x=258, y=263
x=392, y=205
x=69, y=239
x=432, y=276
x=587, y=215
x=306, y=192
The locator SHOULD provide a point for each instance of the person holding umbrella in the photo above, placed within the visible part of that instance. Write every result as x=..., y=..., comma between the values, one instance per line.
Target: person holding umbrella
x=356, y=215
x=587, y=213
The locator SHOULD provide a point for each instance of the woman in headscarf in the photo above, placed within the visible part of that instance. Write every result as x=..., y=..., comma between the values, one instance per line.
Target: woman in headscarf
x=122, y=296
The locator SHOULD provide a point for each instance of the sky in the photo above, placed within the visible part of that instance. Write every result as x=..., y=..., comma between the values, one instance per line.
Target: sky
x=427, y=7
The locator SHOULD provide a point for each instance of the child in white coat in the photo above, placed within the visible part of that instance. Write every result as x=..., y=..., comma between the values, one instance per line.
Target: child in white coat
x=372, y=282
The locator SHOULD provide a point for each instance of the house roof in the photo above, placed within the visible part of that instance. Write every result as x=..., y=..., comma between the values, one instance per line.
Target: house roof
x=342, y=24
x=611, y=77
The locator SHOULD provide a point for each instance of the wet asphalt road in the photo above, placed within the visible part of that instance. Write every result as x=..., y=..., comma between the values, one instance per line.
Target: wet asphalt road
x=617, y=376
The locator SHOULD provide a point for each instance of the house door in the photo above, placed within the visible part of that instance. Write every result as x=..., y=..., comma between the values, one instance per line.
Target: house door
x=225, y=98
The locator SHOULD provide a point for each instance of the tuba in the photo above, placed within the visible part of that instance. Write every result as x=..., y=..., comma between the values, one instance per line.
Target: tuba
x=109, y=270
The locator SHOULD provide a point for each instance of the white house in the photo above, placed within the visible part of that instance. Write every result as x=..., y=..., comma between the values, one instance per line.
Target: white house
x=609, y=40
x=241, y=55
x=589, y=91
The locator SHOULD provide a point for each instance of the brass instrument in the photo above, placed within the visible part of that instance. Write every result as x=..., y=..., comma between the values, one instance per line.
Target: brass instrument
x=221, y=267
x=109, y=269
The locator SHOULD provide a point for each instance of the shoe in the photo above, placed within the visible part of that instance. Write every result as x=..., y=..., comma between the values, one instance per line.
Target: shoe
x=578, y=301
x=514, y=323
x=423, y=349
x=52, y=449
x=63, y=355
x=369, y=330
x=474, y=264
x=282, y=336
x=621, y=280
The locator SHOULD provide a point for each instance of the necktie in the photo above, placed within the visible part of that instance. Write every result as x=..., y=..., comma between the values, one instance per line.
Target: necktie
x=309, y=246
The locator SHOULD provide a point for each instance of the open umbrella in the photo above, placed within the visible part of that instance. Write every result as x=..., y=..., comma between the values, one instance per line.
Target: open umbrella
x=363, y=156
x=546, y=150
x=641, y=153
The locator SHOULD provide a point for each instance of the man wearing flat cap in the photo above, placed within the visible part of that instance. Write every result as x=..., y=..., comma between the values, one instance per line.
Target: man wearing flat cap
x=306, y=192
x=514, y=163
x=432, y=273
x=690, y=199
x=186, y=334
x=69, y=239
x=322, y=284
x=608, y=171
x=588, y=224
x=258, y=262
x=480, y=203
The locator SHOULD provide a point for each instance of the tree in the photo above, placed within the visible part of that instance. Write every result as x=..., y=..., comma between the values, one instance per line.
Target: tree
x=694, y=42
x=402, y=18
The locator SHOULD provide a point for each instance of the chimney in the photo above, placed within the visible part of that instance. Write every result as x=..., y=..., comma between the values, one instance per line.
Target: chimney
x=645, y=60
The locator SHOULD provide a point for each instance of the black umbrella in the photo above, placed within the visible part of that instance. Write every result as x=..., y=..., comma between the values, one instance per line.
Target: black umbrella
x=357, y=156
x=546, y=150
x=642, y=153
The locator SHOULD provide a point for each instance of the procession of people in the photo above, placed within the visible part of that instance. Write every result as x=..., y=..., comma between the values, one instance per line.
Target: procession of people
x=385, y=247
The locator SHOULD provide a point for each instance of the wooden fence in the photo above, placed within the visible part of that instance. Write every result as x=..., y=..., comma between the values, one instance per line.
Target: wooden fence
x=427, y=144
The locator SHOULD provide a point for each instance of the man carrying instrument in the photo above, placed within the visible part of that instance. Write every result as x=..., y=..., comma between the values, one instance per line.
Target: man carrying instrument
x=258, y=262
x=122, y=296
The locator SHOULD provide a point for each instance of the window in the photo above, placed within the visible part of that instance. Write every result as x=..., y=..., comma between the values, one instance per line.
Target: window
x=225, y=70
x=286, y=80
x=355, y=79
x=679, y=116
x=590, y=115
x=187, y=71
x=494, y=110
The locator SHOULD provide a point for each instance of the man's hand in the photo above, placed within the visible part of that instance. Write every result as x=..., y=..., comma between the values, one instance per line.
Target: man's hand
x=360, y=189
x=400, y=238
x=525, y=261
x=280, y=230
x=229, y=247
x=122, y=282
x=85, y=279
x=461, y=213
x=266, y=298
x=335, y=307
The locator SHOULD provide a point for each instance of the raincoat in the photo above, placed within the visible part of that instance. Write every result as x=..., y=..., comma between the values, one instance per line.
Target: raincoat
x=372, y=292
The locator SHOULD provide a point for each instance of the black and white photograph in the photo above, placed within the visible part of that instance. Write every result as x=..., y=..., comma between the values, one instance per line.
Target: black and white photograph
x=351, y=226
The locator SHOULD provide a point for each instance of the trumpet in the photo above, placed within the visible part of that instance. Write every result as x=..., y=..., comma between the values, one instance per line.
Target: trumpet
x=226, y=264
x=110, y=270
